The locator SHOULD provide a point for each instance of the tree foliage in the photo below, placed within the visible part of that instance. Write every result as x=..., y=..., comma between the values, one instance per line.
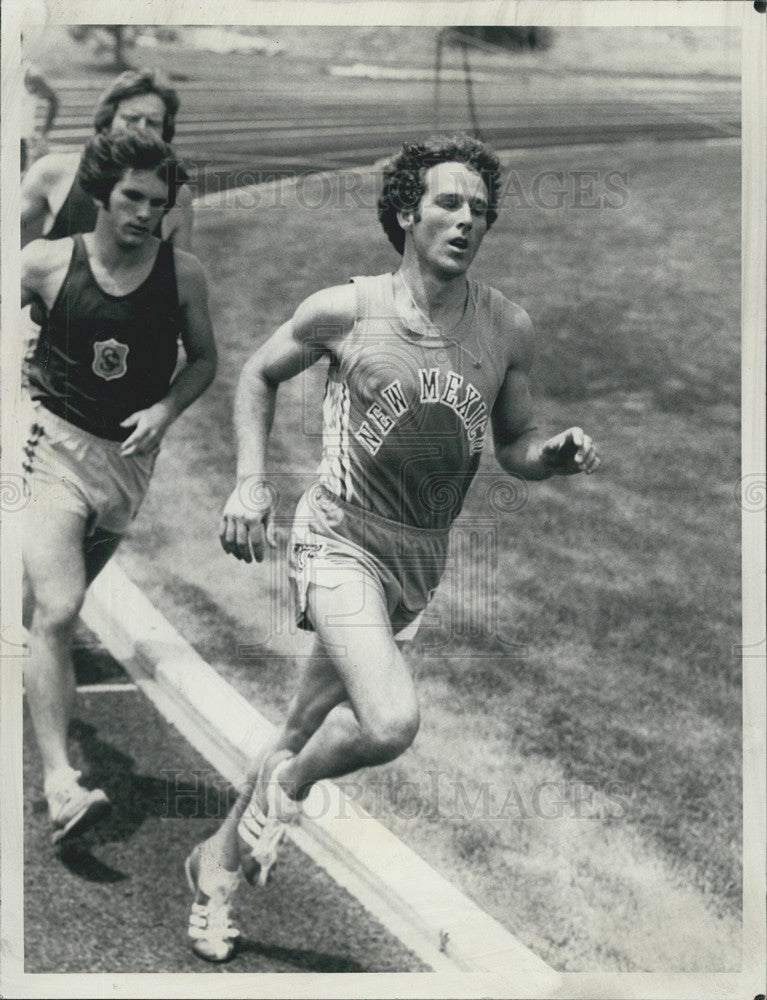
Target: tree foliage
x=512, y=39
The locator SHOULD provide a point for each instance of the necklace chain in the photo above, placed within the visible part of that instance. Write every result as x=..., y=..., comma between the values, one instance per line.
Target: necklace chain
x=446, y=334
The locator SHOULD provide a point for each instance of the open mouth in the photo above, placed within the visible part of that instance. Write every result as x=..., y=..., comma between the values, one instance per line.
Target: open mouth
x=460, y=243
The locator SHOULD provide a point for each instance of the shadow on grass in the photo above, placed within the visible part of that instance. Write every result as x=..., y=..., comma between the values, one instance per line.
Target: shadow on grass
x=77, y=858
x=95, y=665
x=302, y=959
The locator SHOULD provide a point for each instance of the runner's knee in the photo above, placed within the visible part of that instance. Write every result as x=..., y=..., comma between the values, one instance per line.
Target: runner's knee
x=390, y=736
x=56, y=607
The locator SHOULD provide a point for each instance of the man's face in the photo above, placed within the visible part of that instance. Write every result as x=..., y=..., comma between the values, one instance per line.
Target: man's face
x=451, y=220
x=145, y=111
x=136, y=205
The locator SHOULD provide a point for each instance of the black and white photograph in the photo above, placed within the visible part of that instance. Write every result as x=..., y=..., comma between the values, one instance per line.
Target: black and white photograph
x=383, y=499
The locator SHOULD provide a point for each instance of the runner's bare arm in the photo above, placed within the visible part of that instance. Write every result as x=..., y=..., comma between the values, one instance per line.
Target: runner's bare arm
x=177, y=224
x=30, y=273
x=35, y=186
x=43, y=266
x=194, y=378
x=517, y=448
x=319, y=322
x=44, y=189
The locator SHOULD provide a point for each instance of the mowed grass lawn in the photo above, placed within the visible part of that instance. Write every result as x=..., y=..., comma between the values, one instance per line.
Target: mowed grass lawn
x=578, y=768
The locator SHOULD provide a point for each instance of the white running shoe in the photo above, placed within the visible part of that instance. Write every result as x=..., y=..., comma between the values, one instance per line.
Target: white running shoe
x=72, y=808
x=261, y=830
x=211, y=928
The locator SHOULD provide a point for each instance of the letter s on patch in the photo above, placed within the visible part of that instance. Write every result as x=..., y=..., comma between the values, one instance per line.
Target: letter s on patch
x=109, y=359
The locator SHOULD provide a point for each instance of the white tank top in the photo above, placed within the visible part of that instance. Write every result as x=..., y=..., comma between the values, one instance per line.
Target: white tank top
x=405, y=415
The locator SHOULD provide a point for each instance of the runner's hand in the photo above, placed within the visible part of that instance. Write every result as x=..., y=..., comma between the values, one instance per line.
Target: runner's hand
x=570, y=452
x=248, y=520
x=150, y=427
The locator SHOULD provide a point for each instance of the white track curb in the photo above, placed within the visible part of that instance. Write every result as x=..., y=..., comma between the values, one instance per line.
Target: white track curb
x=429, y=915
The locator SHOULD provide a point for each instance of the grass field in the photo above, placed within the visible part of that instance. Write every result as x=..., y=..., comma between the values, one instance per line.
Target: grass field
x=586, y=787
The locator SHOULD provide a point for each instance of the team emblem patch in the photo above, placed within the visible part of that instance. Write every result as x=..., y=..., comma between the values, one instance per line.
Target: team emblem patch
x=109, y=359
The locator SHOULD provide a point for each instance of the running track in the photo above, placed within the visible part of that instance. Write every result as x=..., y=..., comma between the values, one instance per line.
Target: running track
x=305, y=131
x=116, y=900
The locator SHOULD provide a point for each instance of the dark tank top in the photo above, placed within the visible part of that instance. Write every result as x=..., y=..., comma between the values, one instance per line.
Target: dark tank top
x=101, y=357
x=76, y=215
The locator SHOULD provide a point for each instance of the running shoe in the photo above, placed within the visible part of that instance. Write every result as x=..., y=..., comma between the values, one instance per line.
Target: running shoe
x=74, y=809
x=211, y=927
x=265, y=821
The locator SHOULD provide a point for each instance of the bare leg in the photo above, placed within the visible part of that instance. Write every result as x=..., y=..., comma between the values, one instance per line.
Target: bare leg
x=99, y=549
x=319, y=690
x=379, y=718
x=59, y=563
x=356, y=704
x=55, y=568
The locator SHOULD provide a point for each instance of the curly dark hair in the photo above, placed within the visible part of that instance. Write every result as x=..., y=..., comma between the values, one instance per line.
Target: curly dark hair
x=131, y=83
x=403, y=177
x=106, y=158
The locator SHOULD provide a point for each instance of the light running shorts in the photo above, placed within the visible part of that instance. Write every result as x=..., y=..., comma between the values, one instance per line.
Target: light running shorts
x=66, y=468
x=333, y=541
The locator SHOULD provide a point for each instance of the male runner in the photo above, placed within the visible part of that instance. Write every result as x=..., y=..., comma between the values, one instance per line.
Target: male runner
x=50, y=192
x=34, y=138
x=420, y=362
x=113, y=304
